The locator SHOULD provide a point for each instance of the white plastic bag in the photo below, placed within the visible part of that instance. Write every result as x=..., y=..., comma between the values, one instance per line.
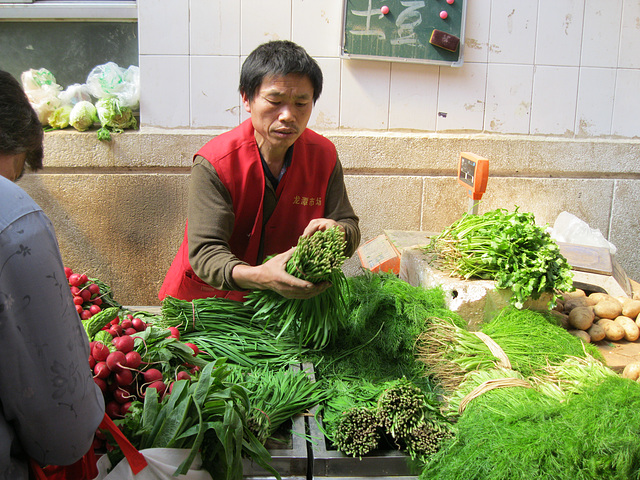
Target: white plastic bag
x=570, y=229
x=161, y=464
x=42, y=91
x=110, y=80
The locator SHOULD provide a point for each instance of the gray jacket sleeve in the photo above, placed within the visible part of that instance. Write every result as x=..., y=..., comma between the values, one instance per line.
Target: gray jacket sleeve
x=51, y=406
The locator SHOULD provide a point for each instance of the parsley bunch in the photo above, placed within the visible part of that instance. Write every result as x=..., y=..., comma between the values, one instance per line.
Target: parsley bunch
x=507, y=247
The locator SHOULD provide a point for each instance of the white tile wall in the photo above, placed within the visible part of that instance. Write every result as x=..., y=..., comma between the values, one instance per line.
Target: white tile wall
x=215, y=100
x=364, y=99
x=512, y=34
x=508, y=98
x=164, y=90
x=601, y=35
x=549, y=67
x=413, y=99
x=214, y=27
x=559, y=32
x=461, y=97
x=553, y=106
x=596, y=93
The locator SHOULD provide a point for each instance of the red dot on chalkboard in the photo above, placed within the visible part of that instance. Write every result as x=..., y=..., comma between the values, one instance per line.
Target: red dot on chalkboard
x=450, y=2
x=443, y=14
x=384, y=10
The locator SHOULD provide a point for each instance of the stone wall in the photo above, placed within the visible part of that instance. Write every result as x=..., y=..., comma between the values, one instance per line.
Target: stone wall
x=119, y=208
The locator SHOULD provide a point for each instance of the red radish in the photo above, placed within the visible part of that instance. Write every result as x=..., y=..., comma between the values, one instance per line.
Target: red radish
x=112, y=409
x=121, y=396
x=100, y=434
x=83, y=279
x=100, y=351
x=75, y=291
x=116, y=330
x=85, y=294
x=115, y=321
x=130, y=331
x=124, y=378
x=175, y=333
x=152, y=375
x=125, y=407
x=158, y=385
x=182, y=375
x=78, y=300
x=94, y=309
x=79, y=309
x=101, y=370
x=138, y=324
x=194, y=347
x=92, y=362
x=94, y=288
x=86, y=315
x=133, y=359
x=97, y=301
x=67, y=272
x=126, y=323
x=115, y=361
x=101, y=383
x=124, y=343
x=74, y=280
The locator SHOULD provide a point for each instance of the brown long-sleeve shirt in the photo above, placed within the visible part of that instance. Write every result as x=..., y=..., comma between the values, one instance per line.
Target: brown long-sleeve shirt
x=211, y=218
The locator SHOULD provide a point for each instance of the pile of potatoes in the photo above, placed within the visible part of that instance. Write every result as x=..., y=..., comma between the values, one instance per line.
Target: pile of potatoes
x=599, y=316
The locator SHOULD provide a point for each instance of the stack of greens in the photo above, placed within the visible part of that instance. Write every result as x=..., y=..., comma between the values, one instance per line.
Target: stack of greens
x=521, y=433
x=508, y=248
x=224, y=328
x=317, y=258
x=530, y=341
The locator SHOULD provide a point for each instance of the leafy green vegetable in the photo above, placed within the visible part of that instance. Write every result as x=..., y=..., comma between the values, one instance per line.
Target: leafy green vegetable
x=60, y=117
x=508, y=248
x=317, y=258
x=83, y=115
x=114, y=117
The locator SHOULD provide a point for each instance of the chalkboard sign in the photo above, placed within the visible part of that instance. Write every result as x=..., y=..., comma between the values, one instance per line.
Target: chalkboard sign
x=419, y=31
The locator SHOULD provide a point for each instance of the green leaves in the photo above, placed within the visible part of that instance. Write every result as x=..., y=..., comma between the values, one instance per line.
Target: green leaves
x=508, y=248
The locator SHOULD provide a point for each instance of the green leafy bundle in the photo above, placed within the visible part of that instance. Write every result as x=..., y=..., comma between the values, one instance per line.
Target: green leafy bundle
x=209, y=414
x=508, y=248
x=317, y=258
x=224, y=328
x=521, y=433
x=530, y=340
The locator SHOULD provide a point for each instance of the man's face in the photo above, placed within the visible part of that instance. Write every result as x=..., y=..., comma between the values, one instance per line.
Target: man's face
x=12, y=166
x=280, y=111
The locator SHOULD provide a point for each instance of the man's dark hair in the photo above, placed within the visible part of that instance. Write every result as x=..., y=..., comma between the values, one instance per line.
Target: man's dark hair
x=278, y=58
x=20, y=129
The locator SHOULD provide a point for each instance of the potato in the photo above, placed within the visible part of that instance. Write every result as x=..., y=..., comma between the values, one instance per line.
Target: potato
x=631, y=308
x=596, y=332
x=572, y=303
x=581, y=318
x=613, y=331
x=576, y=293
x=608, y=309
x=631, y=330
x=600, y=296
x=631, y=371
x=581, y=334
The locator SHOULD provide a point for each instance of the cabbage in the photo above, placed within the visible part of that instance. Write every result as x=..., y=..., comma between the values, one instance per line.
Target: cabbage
x=113, y=117
x=60, y=117
x=83, y=115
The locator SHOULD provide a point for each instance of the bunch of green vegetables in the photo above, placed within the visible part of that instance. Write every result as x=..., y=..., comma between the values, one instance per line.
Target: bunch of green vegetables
x=530, y=340
x=277, y=395
x=317, y=258
x=209, y=415
x=403, y=416
x=522, y=433
x=508, y=248
x=224, y=328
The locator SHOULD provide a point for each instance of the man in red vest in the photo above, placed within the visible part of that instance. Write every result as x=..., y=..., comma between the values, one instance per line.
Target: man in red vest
x=256, y=189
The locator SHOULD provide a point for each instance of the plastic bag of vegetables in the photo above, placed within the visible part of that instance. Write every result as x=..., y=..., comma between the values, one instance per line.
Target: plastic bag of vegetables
x=110, y=80
x=42, y=91
x=114, y=117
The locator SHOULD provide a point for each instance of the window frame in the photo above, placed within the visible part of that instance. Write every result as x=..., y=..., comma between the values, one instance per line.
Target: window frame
x=69, y=10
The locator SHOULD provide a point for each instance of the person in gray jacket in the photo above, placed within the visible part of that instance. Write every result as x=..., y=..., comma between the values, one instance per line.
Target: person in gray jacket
x=51, y=406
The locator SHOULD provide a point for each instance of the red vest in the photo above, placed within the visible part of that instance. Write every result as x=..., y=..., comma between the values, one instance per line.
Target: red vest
x=301, y=197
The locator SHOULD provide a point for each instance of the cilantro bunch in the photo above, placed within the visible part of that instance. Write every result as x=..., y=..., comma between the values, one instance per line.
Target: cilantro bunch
x=507, y=247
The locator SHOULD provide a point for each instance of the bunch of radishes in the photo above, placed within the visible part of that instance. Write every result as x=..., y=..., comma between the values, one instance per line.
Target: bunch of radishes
x=87, y=296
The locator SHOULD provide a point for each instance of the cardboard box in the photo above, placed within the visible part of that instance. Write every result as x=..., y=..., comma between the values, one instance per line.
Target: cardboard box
x=379, y=254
